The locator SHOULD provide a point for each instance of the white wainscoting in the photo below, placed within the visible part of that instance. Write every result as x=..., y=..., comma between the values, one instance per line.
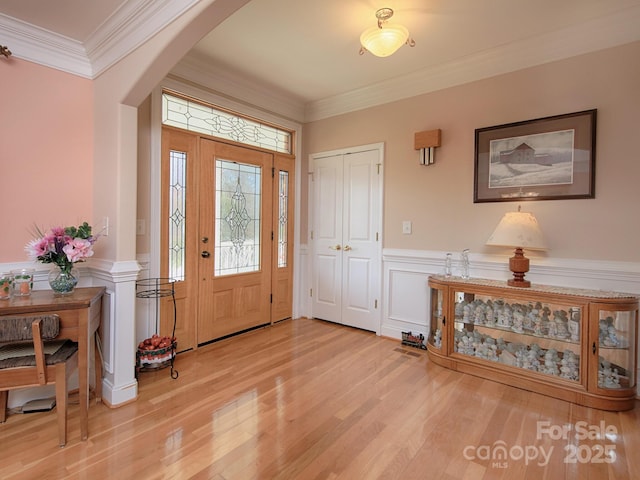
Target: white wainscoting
x=406, y=272
x=118, y=328
x=406, y=299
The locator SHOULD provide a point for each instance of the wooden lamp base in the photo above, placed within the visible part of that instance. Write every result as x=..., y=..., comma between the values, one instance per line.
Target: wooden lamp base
x=519, y=265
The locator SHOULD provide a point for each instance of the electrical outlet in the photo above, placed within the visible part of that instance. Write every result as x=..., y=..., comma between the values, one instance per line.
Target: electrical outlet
x=406, y=227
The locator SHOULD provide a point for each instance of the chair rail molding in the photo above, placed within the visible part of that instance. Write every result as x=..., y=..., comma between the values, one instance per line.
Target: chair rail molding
x=406, y=302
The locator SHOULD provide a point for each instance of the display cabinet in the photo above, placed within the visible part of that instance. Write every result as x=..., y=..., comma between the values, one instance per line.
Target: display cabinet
x=573, y=344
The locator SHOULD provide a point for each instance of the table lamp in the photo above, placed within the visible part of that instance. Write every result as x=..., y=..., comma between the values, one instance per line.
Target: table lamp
x=518, y=230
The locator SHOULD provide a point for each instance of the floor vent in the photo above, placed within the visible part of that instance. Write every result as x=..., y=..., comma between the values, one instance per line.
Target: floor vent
x=407, y=352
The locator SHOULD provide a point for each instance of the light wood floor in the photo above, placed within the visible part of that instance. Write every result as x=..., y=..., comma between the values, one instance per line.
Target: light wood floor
x=312, y=400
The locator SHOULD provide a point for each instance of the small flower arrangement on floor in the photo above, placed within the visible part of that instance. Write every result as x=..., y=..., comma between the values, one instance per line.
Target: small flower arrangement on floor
x=62, y=246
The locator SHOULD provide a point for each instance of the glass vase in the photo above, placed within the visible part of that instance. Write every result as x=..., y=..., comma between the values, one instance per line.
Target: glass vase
x=63, y=280
x=464, y=263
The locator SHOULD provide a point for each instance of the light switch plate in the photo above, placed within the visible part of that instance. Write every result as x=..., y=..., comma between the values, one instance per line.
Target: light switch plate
x=141, y=227
x=406, y=227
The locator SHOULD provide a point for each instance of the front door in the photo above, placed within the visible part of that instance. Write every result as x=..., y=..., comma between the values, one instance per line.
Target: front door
x=227, y=236
x=235, y=239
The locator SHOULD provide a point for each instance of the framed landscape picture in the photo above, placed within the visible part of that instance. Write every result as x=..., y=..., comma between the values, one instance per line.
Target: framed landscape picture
x=543, y=159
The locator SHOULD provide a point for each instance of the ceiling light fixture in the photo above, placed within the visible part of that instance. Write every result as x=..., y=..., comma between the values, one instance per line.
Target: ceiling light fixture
x=386, y=38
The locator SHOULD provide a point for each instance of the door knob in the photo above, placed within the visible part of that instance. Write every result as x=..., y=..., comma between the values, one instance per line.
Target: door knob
x=205, y=239
x=347, y=248
x=337, y=247
x=205, y=254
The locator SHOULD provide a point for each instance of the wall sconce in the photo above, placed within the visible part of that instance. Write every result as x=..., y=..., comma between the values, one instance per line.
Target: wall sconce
x=518, y=230
x=427, y=142
x=386, y=38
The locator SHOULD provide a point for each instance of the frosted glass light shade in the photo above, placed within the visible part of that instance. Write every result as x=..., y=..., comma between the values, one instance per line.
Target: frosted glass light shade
x=384, y=41
x=518, y=229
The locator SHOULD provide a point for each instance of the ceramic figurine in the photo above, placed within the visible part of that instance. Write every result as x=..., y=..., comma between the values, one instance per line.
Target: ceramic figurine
x=488, y=314
x=552, y=329
x=574, y=326
x=437, y=338
x=518, y=320
x=608, y=377
x=612, y=338
x=537, y=327
x=534, y=362
x=466, y=313
x=529, y=317
x=569, y=367
x=550, y=366
x=561, y=320
x=480, y=316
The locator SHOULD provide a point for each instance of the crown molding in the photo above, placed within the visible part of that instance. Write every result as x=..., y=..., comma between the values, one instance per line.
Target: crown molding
x=599, y=34
x=130, y=26
x=44, y=47
x=138, y=20
x=200, y=71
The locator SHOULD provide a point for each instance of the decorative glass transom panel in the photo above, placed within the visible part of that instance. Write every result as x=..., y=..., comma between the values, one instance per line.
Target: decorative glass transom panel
x=197, y=117
x=283, y=206
x=237, y=222
x=177, y=214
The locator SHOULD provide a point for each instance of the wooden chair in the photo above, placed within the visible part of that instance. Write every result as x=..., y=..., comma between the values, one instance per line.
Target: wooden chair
x=24, y=361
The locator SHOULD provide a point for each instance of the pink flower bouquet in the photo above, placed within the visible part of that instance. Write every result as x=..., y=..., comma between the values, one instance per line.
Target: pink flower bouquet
x=62, y=246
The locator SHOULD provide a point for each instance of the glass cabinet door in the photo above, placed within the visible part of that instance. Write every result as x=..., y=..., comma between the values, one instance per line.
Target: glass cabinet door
x=438, y=318
x=540, y=337
x=614, y=341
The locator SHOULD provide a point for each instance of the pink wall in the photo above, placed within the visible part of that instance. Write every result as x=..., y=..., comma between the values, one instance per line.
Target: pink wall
x=46, y=152
x=439, y=199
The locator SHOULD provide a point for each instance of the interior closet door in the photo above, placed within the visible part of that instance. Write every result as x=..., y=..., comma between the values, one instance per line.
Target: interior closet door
x=346, y=238
x=327, y=238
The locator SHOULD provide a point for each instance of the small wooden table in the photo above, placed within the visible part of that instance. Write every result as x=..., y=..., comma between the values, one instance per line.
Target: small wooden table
x=80, y=314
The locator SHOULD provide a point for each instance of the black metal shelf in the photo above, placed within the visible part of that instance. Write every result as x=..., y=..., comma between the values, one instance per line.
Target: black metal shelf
x=157, y=288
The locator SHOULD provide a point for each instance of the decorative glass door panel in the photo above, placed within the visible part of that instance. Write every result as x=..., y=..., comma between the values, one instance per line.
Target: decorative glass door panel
x=238, y=210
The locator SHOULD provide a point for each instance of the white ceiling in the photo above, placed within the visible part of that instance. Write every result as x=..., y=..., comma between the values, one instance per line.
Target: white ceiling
x=305, y=53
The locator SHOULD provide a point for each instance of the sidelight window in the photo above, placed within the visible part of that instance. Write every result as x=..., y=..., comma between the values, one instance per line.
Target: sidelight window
x=177, y=214
x=283, y=221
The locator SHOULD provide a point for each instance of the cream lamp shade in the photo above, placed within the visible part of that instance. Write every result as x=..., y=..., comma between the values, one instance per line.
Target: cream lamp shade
x=519, y=230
